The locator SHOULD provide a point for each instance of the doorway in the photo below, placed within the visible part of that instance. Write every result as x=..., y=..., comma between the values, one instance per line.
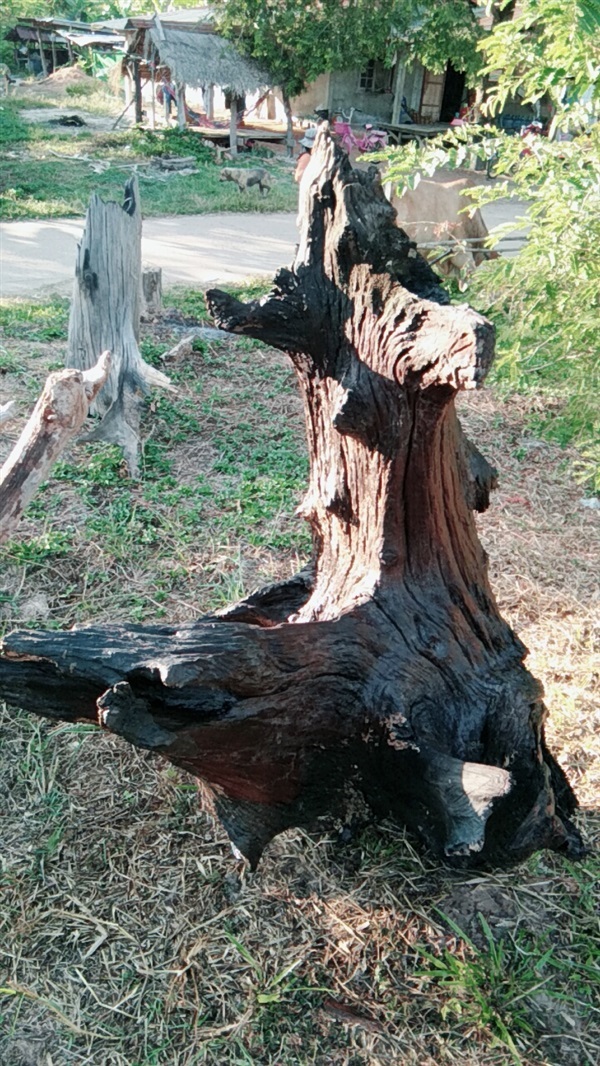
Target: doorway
x=454, y=87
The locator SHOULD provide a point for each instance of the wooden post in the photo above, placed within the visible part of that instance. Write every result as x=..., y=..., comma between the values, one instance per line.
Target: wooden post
x=399, y=82
x=151, y=292
x=209, y=102
x=153, y=103
x=137, y=82
x=290, y=124
x=181, y=106
x=42, y=54
x=385, y=668
x=54, y=60
x=233, y=125
x=128, y=87
x=70, y=51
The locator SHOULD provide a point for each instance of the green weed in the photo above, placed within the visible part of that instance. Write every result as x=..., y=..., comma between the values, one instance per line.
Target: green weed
x=271, y=988
x=485, y=989
x=46, y=320
x=13, y=129
x=38, y=549
x=543, y=356
x=81, y=89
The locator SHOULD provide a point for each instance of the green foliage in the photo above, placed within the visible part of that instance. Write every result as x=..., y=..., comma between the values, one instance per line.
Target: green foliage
x=436, y=33
x=297, y=42
x=44, y=321
x=13, y=129
x=549, y=47
x=487, y=989
x=168, y=142
x=545, y=301
x=38, y=549
x=81, y=89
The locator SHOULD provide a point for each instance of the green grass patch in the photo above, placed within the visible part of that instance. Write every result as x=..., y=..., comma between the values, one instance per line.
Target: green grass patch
x=35, y=184
x=13, y=129
x=240, y=495
x=191, y=302
x=540, y=356
x=46, y=320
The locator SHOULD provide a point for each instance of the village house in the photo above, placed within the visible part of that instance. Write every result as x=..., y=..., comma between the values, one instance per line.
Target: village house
x=176, y=62
x=397, y=95
x=43, y=45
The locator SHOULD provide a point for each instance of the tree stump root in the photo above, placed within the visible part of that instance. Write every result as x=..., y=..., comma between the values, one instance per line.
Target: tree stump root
x=384, y=668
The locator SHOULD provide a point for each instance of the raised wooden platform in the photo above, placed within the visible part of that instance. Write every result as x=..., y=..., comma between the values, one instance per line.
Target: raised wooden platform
x=244, y=135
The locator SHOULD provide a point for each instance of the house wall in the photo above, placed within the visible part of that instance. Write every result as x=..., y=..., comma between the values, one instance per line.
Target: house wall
x=340, y=91
x=315, y=95
x=345, y=93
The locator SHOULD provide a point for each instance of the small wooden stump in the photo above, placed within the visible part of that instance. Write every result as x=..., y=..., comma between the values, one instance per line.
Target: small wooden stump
x=7, y=412
x=152, y=292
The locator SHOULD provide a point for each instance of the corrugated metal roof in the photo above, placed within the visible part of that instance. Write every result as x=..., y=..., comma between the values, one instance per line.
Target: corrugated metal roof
x=106, y=40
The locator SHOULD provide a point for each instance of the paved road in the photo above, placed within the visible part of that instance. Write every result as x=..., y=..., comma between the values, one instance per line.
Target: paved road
x=38, y=257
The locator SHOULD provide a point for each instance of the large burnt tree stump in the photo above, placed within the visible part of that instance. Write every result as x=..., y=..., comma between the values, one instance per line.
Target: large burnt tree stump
x=386, y=668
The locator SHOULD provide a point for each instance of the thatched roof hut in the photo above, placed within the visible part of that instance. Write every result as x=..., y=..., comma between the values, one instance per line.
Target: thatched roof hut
x=197, y=58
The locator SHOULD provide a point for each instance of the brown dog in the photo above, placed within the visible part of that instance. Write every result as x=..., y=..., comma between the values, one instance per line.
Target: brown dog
x=244, y=178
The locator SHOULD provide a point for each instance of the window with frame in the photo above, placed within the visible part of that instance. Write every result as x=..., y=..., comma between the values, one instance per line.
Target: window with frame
x=376, y=78
x=366, y=78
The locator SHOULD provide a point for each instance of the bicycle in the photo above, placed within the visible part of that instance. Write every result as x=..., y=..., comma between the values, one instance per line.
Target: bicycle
x=371, y=140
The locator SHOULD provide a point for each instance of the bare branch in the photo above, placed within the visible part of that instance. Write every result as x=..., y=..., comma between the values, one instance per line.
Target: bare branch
x=57, y=417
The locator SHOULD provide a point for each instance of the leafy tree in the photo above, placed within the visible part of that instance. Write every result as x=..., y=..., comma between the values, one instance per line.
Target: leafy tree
x=549, y=48
x=546, y=300
x=296, y=41
x=299, y=41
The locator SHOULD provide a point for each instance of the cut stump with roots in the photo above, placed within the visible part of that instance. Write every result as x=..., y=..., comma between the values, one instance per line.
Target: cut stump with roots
x=105, y=315
x=385, y=668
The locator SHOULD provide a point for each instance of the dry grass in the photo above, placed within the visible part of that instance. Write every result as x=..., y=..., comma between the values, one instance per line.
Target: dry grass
x=129, y=936
x=544, y=550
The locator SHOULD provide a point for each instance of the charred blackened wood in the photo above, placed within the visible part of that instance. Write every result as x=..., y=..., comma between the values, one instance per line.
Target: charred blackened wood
x=386, y=668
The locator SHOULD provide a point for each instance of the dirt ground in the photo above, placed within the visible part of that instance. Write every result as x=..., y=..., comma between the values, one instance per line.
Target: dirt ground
x=57, y=83
x=54, y=117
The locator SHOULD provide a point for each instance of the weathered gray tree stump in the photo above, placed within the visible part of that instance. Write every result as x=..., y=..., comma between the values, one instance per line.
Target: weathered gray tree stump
x=385, y=668
x=105, y=315
x=56, y=418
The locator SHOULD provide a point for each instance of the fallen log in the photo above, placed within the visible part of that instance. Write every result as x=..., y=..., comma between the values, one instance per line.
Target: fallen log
x=385, y=668
x=56, y=418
